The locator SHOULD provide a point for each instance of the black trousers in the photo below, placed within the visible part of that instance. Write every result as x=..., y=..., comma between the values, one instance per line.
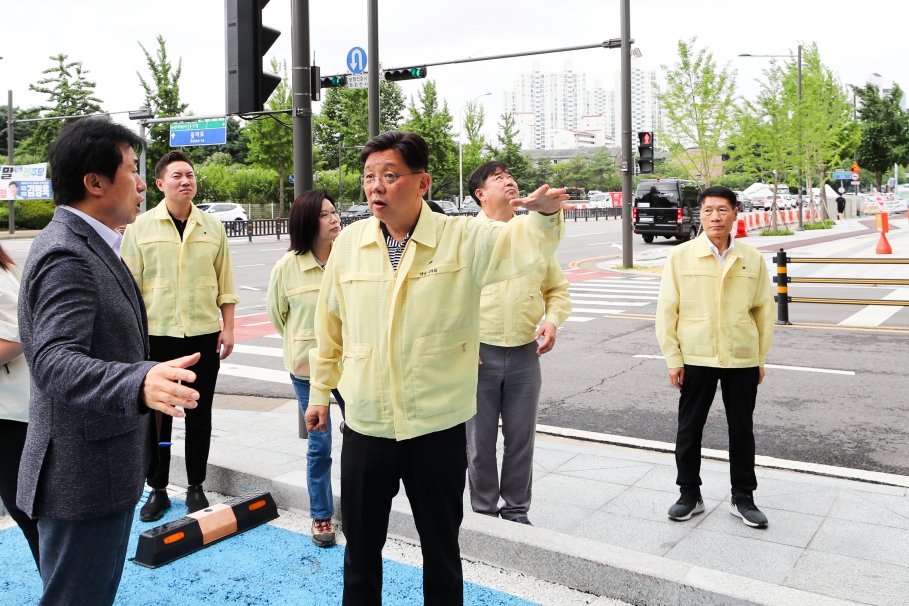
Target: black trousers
x=739, y=388
x=433, y=469
x=198, y=419
x=12, y=440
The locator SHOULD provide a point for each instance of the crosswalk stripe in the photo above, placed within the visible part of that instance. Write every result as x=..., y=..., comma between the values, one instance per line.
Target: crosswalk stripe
x=614, y=295
x=597, y=311
x=275, y=352
x=583, y=301
x=641, y=287
x=253, y=372
x=578, y=319
x=274, y=336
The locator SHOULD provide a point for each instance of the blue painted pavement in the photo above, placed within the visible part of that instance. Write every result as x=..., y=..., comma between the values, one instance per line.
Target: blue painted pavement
x=265, y=565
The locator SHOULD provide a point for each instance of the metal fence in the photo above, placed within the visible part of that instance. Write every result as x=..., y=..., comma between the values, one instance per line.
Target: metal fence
x=277, y=227
x=783, y=280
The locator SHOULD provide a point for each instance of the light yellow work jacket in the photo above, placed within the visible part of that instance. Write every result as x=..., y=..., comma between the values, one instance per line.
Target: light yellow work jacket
x=293, y=291
x=511, y=310
x=409, y=338
x=709, y=315
x=184, y=282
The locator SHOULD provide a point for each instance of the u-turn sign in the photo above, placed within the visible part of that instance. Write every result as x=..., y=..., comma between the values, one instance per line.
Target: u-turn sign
x=356, y=60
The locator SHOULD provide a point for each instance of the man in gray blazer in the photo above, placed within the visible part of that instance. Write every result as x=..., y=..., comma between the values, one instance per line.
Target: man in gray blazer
x=90, y=442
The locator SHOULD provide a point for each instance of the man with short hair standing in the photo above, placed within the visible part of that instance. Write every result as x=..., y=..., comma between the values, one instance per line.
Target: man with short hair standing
x=399, y=305
x=714, y=323
x=180, y=258
x=509, y=379
x=90, y=441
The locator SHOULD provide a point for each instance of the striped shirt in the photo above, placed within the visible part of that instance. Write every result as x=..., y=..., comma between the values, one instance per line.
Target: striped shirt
x=395, y=248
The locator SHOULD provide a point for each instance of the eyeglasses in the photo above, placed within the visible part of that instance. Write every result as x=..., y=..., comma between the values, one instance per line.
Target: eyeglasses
x=332, y=214
x=369, y=179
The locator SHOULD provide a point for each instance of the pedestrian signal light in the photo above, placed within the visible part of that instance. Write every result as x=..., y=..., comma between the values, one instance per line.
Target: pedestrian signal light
x=338, y=81
x=405, y=73
x=645, y=152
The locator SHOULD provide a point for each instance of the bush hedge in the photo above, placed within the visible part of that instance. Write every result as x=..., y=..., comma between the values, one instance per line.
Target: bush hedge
x=30, y=214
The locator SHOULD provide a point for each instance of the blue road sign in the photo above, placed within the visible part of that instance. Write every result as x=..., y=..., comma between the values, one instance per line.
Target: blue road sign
x=842, y=174
x=203, y=132
x=291, y=178
x=356, y=60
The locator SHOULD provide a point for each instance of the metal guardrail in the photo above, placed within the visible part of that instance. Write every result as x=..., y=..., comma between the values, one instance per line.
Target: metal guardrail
x=276, y=227
x=783, y=280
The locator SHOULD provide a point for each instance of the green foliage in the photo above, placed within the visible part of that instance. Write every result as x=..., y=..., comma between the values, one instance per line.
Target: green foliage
x=697, y=110
x=472, y=152
x=433, y=123
x=825, y=224
x=777, y=232
x=350, y=186
x=344, y=119
x=271, y=139
x=236, y=183
x=69, y=94
x=509, y=151
x=30, y=214
x=21, y=131
x=885, y=131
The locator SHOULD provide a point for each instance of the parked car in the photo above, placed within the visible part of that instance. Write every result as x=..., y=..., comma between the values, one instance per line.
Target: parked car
x=666, y=207
x=470, y=205
x=225, y=211
x=447, y=206
x=357, y=212
x=743, y=202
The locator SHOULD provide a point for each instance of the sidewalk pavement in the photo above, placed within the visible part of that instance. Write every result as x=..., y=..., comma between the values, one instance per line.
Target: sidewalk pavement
x=601, y=527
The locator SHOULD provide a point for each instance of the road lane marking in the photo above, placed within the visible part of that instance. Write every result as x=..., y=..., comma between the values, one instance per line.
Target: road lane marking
x=622, y=296
x=255, y=324
x=583, y=301
x=875, y=315
x=253, y=372
x=582, y=310
x=272, y=249
x=274, y=336
x=249, y=288
x=253, y=265
x=577, y=319
x=593, y=233
x=828, y=371
x=257, y=350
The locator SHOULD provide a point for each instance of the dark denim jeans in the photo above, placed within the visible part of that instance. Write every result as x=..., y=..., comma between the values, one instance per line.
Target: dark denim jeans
x=318, y=457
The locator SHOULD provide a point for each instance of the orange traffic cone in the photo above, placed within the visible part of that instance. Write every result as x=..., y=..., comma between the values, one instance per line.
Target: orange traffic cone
x=740, y=232
x=883, y=246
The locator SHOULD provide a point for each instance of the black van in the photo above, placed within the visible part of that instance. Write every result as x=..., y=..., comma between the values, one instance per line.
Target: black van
x=666, y=207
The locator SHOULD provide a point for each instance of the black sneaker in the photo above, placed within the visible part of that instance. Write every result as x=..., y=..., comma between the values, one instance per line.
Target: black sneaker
x=158, y=502
x=195, y=499
x=744, y=507
x=686, y=507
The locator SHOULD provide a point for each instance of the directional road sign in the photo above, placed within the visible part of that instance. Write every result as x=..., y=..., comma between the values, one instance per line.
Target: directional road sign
x=356, y=60
x=291, y=178
x=203, y=132
x=842, y=174
x=358, y=80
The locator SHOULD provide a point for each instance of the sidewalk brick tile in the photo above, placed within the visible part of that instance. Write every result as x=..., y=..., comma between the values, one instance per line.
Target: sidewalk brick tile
x=549, y=460
x=851, y=578
x=630, y=533
x=662, y=478
x=752, y=558
x=645, y=504
x=865, y=541
x=560, y=517
x=863, y=507
x=588, y=494
x=785, y=527
x=604, y=469
x=827, y=482
x=812, y=502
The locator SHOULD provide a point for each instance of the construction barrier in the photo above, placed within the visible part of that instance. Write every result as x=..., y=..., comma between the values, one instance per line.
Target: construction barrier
x=783, y=280
x=754, y=221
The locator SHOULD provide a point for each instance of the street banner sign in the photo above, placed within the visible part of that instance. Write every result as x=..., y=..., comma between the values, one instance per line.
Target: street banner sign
x=203, y=132
x=356, y=60
x=358, y=80
x=25, y=182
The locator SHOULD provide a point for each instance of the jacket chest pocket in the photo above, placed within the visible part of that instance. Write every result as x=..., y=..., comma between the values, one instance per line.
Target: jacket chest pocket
x=361, y=384
x=433, y=283
x=304, y=339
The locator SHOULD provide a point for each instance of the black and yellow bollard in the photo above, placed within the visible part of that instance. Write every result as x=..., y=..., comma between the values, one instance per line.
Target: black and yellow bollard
x=782, y=289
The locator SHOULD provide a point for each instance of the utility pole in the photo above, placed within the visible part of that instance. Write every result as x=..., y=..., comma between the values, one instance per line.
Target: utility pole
x=302, y=97
x=627, y=157
x=142, y=168
x=372, y=14
x=801, y=200
x=10, y=144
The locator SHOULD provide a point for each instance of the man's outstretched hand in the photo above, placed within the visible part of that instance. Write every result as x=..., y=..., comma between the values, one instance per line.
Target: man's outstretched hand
x=161, y=392
x=544, y=200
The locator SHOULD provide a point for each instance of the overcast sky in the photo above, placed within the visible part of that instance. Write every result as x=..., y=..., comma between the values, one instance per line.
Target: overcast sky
x=854, y=40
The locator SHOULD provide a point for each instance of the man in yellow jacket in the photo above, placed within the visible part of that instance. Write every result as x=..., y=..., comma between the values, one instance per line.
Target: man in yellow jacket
x=714, y=323
x=509, y=378
x=399, y=305
x=180, y=259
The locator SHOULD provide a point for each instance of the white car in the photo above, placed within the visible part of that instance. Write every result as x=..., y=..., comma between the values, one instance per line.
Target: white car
x=225, y=211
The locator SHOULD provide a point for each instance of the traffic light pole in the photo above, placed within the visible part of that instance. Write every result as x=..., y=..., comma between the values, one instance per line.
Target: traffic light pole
x=10, y=145
x=627, y=157
x=302, y=97
x=372, y=52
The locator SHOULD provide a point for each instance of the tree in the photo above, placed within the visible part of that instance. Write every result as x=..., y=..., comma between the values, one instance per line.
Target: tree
x=69, y=94
x=236, y=145
x=509, y=152
x=601, y=173
x=271, y=143
x=162, y=96
x=472, y=151
x=344, y=119
x=885, y=130
x=697, y=109
x=434, y=124
x=21, y=132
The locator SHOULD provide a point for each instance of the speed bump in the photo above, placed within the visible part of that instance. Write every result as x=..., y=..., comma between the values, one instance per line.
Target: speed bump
x=168, y=542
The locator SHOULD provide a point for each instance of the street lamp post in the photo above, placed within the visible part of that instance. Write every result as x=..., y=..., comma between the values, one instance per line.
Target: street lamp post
x=461, y=149
x=798, y=56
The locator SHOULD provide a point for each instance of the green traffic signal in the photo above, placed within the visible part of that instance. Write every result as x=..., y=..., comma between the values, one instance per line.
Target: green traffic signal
x=337, y=81
x=405, y=73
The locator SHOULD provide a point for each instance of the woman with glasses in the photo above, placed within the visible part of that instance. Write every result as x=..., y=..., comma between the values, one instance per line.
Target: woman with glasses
x=292, y=294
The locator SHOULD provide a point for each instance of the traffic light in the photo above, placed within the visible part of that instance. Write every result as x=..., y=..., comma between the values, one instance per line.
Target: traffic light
x=405, y=73
x=645, y=152
x=337, y=81
x=248, y=86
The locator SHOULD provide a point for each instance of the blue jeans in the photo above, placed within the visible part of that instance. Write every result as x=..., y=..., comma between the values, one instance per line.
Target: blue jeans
x=318, y=457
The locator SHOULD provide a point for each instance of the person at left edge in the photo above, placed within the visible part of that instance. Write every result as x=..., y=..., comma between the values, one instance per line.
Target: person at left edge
x=180, y=258
x=293, y=291
x=90, y=440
